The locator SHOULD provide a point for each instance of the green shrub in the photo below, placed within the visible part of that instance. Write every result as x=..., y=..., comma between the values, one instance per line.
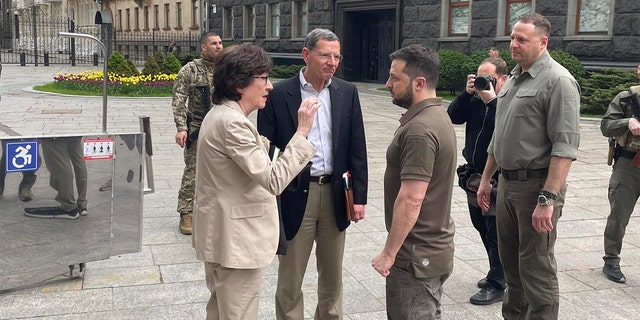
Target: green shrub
x=570, y=62
x=599, y=88
x=119, y=65
x=476, y=57
x=283, y=72
x=133, y=68
x=151, y=66
x=453, y=74
x=184, y=59
x=159, y=56
x=170, y=65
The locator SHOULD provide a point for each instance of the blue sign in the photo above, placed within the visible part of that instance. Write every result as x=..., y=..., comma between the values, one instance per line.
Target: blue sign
x=22, y=156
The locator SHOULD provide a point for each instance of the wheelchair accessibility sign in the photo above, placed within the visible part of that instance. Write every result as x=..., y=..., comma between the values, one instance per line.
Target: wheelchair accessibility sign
x=22, y=156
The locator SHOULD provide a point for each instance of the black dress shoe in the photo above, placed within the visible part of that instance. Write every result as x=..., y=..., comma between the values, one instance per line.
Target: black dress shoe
x=487, y=296
x=483, y=283
x=613, y=273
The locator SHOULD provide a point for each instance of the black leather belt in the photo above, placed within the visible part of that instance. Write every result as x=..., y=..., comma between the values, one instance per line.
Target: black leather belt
x=625, y=153
x=325, y=178
x=524, y=174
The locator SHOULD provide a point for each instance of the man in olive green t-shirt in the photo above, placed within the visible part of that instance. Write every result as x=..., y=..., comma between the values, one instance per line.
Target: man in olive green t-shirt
x=535, y=140
x=422, y=156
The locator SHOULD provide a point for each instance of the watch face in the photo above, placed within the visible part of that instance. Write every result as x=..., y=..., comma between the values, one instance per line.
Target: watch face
x=543, y=200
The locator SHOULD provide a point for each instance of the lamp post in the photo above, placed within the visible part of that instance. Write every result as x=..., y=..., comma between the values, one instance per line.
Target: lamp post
x=104, y=76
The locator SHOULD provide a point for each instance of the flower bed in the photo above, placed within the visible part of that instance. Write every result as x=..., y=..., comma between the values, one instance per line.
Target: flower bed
x=92, y=81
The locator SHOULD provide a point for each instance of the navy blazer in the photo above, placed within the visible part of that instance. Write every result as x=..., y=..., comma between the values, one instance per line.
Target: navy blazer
x=278, y=122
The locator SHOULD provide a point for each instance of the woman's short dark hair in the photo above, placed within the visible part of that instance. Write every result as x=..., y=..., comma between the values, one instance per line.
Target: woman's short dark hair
x=235, y=67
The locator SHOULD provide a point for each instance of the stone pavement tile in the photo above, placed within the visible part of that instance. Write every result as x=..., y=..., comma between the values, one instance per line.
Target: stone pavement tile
x=472, y=251
x=580, y=228
x=634, y=223
x=52, y=284
x=575, y=282
x=182, y=272
x=461, y=285
x=593, y=243
x=160, y=222
x=358, y=265
x=173, y=253
x=601, y=304
x=469, y=311
x=630, y=256
x=138, y=259
x=632, y=239
x=119, y=277
x=380, y=315
x=578, y=260
x=154, y=236
x=55, y=303
x=467, y=236
x=159, y=295
x=358, y=298
x=170, y=312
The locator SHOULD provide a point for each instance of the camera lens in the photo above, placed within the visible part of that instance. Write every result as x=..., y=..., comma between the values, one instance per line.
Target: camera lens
x=482, y=83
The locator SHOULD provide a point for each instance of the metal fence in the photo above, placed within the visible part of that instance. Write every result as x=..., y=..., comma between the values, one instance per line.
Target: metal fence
x=36, y=41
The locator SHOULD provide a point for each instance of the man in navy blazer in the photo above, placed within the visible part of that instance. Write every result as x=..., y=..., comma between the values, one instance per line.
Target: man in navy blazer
x=313, y=206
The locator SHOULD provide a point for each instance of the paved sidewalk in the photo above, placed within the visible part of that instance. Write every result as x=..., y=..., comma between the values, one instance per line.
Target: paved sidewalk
x=165, y=281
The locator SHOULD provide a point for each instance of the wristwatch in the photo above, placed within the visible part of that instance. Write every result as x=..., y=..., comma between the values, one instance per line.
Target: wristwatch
x=546, y=198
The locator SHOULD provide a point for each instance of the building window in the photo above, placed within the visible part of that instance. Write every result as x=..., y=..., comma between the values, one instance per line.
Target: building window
x=515, y=10
x=128, y=17
x=136, y=19
x=459, y=15
x=194, y=13
x=593, y=17
x=300, y=19
x=146, y=17
x=273, y=20
x=166, y=16
x=119, y=20
x=249, y=25
x=178, y=14
x=227, y=22
x=156, y=17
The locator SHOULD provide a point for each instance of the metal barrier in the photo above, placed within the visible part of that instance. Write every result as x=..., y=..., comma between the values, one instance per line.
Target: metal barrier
x=73, y=199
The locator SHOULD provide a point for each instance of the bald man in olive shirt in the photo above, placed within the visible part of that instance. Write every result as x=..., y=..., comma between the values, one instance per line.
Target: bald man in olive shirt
x=535, y=140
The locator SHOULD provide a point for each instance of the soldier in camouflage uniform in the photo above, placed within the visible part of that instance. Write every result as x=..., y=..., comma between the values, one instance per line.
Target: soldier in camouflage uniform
x=621, y=122
x=191, y=101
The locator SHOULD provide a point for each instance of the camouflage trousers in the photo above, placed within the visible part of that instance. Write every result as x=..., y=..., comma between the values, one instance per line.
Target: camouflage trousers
x=187, y=187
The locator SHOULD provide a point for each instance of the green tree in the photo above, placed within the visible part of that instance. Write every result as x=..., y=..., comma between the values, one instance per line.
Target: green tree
x=570, y=62
x=599, y=88
x=453, y=75
x=151, y=66
x=171, y=64
x=117, y=64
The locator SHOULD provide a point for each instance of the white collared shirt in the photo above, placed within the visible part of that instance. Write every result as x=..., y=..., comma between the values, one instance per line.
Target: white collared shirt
x=321, y=135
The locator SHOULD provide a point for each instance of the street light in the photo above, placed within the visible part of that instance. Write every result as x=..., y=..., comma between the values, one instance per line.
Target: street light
x=105, y=75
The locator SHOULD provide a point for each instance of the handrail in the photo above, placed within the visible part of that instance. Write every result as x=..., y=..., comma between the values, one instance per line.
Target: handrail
x=105, y=75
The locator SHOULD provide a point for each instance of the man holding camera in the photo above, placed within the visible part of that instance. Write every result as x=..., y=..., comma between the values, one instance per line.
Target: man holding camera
x=476, y=106
x=535, y=140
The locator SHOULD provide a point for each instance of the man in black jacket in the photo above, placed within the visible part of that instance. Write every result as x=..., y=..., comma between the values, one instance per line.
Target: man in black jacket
x=476, y=106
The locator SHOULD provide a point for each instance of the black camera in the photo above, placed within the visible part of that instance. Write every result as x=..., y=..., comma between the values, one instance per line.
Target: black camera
x=482, y=83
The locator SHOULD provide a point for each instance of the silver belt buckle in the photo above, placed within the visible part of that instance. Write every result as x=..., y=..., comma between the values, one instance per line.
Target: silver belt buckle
x=323, y=179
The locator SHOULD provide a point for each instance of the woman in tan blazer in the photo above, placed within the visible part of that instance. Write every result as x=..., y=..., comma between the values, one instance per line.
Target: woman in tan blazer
x=235, y=223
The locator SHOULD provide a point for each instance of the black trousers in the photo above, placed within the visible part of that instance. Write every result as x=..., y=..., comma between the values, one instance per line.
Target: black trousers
x=486, y=226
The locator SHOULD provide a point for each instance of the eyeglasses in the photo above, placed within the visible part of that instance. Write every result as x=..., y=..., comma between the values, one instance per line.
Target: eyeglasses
x=327, y=56
x=263, y=78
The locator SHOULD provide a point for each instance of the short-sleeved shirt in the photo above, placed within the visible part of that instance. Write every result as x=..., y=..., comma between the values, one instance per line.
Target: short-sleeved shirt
x=424, y=148
x=538, y=116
